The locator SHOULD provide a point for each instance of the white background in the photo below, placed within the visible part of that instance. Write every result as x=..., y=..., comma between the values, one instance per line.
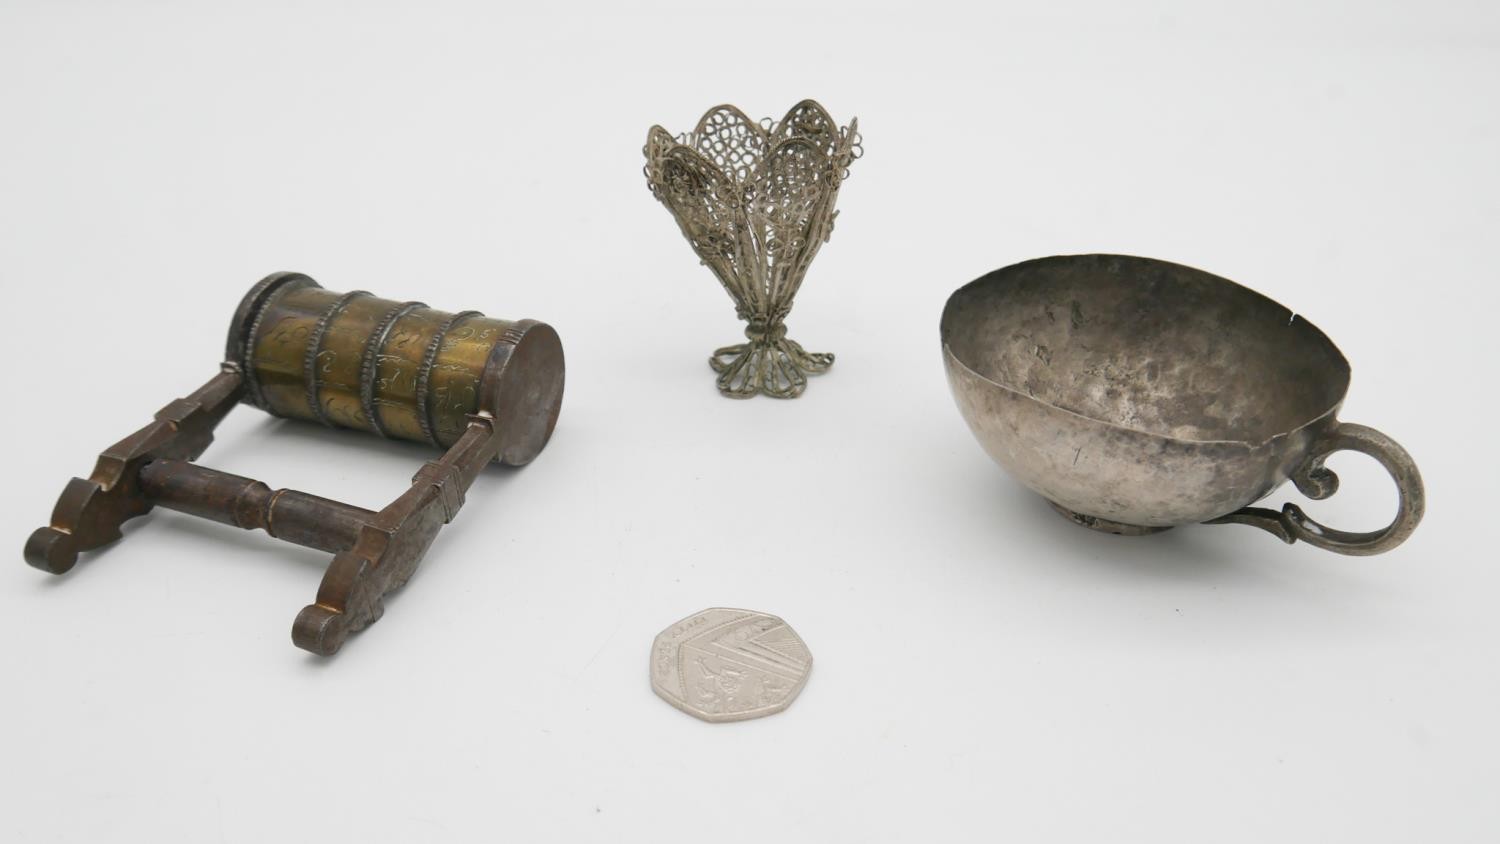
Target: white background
x=985, y=670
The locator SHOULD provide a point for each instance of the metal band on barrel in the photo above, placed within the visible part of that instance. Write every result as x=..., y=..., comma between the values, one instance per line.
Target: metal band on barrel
x=315, y=348
x=424, y=376
x=252, y=381
x=369, y=365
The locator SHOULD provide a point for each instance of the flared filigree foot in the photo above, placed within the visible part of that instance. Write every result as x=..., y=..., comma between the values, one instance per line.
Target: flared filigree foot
x=769, y=364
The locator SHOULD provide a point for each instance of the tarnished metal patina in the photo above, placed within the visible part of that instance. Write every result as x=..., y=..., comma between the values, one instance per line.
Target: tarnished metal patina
x=483, y=389
x=1136, y=395
x=756, y=202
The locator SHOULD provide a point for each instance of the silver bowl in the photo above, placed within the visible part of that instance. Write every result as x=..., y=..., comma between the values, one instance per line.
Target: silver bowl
x=1136, y=395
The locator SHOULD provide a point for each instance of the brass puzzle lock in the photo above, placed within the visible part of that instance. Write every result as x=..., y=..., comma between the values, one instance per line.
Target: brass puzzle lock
x=483, y=389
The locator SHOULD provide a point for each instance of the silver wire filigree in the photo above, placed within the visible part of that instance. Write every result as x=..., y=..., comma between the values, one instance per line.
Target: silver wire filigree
x=756, y=201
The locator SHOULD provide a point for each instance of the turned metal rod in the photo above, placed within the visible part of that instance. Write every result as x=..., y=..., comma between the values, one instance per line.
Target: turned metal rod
x=247, y=503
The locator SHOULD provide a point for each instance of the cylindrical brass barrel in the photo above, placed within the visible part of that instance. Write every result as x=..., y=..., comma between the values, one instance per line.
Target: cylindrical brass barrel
x=398, y=369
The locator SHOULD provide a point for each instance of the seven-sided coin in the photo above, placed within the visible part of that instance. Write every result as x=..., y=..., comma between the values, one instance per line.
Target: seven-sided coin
x=729, y=665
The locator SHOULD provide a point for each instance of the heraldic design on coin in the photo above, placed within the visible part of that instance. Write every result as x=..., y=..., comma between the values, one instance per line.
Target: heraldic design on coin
x=729, y=665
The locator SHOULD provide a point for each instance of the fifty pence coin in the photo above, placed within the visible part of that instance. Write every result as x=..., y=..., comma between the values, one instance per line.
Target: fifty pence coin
x=729, y=665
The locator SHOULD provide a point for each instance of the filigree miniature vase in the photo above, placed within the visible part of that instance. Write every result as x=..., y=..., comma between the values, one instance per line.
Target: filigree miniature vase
x=756, y=201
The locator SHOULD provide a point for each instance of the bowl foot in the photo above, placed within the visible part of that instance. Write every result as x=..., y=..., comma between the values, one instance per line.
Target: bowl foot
x=1104, y=525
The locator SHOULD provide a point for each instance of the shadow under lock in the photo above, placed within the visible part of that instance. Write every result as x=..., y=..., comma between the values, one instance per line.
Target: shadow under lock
x=482, y=389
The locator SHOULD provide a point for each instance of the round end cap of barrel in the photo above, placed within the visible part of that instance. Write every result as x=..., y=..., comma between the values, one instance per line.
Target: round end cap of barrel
x=523, y=388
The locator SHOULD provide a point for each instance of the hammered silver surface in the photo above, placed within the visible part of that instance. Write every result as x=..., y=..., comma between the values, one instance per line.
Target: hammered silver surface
x=729, y=665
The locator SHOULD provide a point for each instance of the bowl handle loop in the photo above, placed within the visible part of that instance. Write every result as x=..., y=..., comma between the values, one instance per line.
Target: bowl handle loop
x=1317, y=481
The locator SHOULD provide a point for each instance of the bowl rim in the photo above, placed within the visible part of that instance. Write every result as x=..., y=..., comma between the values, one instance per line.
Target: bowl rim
x=1315, y=421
